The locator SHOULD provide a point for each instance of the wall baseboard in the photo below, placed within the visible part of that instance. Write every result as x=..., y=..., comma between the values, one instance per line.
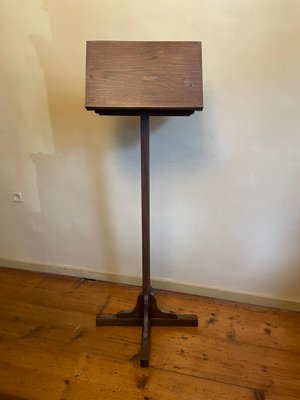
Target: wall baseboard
x=157, y=283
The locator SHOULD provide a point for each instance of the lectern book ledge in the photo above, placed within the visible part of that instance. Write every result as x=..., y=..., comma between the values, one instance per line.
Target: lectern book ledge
x=144, y=79
x=164, y=78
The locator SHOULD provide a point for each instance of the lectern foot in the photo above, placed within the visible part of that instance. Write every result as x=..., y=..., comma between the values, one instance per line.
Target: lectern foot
x=145, y=345
x=146, y=313
x=133, y=317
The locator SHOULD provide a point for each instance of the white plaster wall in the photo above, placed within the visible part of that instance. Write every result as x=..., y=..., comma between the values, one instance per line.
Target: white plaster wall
x=225, y=182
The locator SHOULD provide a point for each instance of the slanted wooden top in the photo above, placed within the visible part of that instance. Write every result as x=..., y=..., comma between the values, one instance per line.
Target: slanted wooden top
x=130, y=77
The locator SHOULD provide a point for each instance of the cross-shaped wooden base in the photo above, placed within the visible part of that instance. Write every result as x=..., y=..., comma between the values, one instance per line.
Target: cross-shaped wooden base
x=146, y=313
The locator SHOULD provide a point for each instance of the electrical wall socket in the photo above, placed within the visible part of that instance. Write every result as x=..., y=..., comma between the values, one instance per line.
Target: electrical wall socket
x=17, y=197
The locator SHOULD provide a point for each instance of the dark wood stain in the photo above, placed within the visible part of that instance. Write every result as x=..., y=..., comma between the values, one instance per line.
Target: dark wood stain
x=231, y=335
x=135, y=359
x=142, y=381
x=4, y=396
x=211, y=321
x=259, y=394
x=267, y=331
x=33, y=332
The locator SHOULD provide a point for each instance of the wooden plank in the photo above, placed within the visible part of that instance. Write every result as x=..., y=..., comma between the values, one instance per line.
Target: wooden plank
x=151, y=75
x=48, y=371
x=11, y=281
x=57, y=316
x=45, y=373
x=275, y=396
x=251, y=366
x=241, y=323
x=215, y=359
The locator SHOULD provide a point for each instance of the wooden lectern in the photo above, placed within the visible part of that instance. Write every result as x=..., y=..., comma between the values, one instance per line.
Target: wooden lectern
x=144, y=79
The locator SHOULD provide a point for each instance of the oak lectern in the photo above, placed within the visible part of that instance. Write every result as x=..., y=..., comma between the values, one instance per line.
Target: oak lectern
x=144, y=79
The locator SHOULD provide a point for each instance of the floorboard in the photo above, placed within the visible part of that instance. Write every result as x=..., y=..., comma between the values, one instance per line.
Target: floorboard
x=51, y=349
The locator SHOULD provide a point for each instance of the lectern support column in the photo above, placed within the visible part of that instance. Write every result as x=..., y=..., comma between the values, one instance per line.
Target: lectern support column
x=146, y=313
x=145, y=185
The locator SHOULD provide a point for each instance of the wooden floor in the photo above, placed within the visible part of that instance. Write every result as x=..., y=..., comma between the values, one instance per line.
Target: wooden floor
x=51, y=349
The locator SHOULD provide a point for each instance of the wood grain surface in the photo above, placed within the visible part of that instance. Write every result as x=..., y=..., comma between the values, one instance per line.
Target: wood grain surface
x=144, y=75
x=50, y=348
